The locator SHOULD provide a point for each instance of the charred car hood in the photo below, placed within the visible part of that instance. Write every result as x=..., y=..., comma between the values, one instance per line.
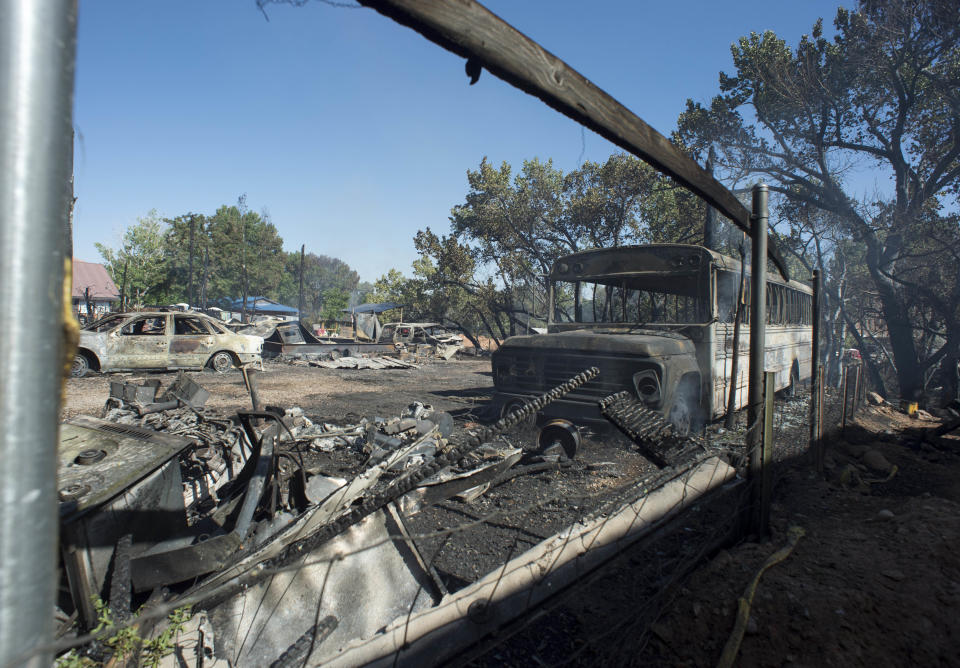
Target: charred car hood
x=645, y=343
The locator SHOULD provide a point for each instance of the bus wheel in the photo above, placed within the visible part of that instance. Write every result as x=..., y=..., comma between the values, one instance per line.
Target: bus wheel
x=792, y=390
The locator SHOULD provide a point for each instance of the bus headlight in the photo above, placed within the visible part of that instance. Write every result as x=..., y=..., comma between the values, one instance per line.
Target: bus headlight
x=647, y=385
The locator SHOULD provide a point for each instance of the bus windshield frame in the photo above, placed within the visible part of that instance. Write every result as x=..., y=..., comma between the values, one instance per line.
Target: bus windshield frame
x=633, y=286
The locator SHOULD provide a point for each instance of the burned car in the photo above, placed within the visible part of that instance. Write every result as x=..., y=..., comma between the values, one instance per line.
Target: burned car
x=430, y=333
x=658, y=321
x=162, y=341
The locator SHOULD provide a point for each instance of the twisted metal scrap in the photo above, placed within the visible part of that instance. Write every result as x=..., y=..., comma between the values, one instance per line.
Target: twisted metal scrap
x=652, y=434
x=399, y=487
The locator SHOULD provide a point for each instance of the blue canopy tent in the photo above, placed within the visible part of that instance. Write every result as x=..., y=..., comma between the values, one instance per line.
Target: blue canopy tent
x=373, y=308
x=264, y=306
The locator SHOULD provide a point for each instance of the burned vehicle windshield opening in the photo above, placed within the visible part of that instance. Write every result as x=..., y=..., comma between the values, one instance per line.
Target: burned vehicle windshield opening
x=106, y=323
x=675, y=299
x=658, y=321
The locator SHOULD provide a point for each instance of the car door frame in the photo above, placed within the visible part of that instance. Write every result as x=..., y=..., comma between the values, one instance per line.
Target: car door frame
x=193, y=350
x=140, y=351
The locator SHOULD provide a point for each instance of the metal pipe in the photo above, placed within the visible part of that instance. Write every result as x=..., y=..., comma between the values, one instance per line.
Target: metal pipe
x=37, y=51
x=250, y=380
x=758, y=324
x=815, y=407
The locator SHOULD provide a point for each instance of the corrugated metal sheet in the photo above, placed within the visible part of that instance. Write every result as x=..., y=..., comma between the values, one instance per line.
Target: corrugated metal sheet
x=94, y=276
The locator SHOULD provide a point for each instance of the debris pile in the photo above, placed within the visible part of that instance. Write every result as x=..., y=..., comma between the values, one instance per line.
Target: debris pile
x=330, y=361
x=315, y=505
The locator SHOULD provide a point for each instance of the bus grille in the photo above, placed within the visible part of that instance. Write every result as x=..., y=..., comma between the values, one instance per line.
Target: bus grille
x=536, y=371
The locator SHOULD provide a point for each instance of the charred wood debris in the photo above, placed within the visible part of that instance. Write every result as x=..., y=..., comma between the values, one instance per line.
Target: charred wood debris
x=232, y=498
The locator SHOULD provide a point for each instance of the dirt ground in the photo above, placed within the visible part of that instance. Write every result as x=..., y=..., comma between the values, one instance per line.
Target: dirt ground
x=874, y=581
x=455, y=386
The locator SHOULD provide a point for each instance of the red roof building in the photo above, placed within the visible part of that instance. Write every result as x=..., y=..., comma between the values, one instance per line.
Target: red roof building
x=102, y=290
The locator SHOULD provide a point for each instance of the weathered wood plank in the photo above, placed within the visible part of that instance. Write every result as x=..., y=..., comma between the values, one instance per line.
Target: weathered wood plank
x=469, y=29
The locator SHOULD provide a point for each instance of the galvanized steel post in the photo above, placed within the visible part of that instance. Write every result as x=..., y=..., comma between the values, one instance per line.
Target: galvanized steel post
x=758, y=321
x=37, y=52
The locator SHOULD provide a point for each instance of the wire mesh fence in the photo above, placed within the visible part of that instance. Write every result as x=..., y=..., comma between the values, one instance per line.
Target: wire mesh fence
x=502, y=565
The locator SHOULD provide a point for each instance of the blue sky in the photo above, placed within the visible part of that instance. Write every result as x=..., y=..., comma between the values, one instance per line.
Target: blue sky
x=352, y=131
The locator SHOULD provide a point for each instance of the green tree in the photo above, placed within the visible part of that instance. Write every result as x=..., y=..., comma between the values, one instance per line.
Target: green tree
x=509, y=231
x=245, y=255
x=139, y=267
x=320, y=274
x=334, y=301
x=883, y=92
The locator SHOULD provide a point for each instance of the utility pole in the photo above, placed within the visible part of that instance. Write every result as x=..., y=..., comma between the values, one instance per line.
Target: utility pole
x=193, y=219
x=241, y=207
x=203, y=280
x=303, y=248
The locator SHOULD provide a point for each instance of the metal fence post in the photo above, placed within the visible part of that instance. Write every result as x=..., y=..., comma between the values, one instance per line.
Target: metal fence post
x=857, y=381
x=758, y=322
x=815, y=379
x=761, y=509
x=843, y=400
x=37, y=51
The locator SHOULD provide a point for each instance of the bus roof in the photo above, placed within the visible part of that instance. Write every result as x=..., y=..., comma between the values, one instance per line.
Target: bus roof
x=675, y=259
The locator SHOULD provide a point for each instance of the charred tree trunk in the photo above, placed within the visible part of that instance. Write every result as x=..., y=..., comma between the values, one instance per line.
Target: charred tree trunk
x=486, y=323
x=123, y=287
x=875, y=378
x=88, y=304
x=881, y=264
x=735, y=357
x=466, y=332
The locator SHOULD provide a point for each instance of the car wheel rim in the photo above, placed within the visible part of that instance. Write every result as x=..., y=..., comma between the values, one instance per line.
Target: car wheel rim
x=222, y=362
x=79, y=366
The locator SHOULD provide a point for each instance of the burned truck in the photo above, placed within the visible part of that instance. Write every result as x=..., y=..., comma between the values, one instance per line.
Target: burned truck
x=658, y=321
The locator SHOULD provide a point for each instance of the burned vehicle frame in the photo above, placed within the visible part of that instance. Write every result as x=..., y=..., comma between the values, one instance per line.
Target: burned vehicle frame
x=160, y=340
x=658, y=321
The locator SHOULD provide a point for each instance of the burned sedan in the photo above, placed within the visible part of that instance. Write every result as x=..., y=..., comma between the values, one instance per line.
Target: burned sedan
x=162, y=341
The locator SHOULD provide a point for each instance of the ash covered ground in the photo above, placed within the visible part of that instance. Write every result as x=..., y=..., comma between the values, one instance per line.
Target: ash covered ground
x=501, y=523
x=875, y=580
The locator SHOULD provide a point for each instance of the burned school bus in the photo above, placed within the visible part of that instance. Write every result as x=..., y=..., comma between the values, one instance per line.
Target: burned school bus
x=658, y=321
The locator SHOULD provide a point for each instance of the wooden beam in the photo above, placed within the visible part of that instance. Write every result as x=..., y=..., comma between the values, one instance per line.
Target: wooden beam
x=470, y=30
